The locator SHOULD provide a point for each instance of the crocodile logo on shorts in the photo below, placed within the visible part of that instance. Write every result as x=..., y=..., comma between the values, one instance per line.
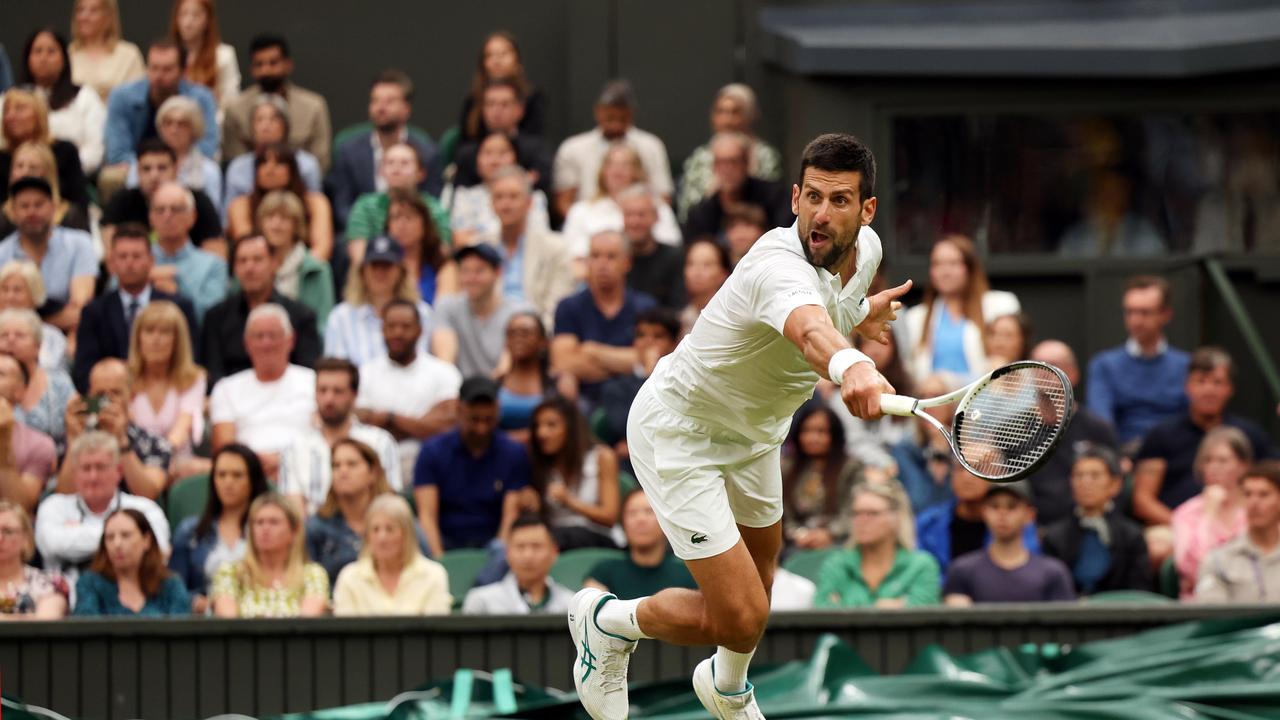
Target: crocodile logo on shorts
x=697, y=538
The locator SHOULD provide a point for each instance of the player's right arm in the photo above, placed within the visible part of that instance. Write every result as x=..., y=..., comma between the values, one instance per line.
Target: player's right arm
x=810, y=328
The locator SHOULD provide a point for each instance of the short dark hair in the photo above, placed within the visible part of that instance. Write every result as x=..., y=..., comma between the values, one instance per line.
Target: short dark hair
x=155, y=146
x=1265, y=469
x=529, y=519
x=392, y=76
x=401, y=303
x=132, y=231
x=334, y=364
x=170, y=44
x=266, y=41
x=506, y=82
x=839, y=152
x=240, y=241
x=665, y=318
x=744, y=213
x=1102, y=453
x=1143, y=282
x=1210, y=358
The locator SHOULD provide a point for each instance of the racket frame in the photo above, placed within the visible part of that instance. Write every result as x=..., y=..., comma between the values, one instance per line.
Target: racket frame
x=904, y=406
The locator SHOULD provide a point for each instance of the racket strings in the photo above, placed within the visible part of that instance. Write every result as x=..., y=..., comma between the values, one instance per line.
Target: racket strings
x=1012, y=422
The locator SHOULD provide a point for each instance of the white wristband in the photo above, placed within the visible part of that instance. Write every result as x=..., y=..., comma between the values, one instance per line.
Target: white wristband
x=842, y=361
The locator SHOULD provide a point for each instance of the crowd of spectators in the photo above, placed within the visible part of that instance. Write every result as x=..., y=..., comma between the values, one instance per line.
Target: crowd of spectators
x=365, y=351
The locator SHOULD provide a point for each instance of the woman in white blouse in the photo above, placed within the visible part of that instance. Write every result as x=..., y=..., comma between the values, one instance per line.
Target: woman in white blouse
x=76, y=113
x=210, y=62
x=620, y=169
x=99, y=58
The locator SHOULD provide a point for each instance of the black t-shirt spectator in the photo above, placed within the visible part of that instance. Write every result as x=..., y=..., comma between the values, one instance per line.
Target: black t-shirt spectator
x=1176, y=441
x=224, y=352
x=967, y=536
x=660, y=274
x=1039, y=579
x=532, y=123
x=706, y=219
x=130, y=205
x=1051, y=484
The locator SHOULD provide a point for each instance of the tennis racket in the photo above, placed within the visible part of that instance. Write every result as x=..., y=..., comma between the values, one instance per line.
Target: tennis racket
x=1006, y=424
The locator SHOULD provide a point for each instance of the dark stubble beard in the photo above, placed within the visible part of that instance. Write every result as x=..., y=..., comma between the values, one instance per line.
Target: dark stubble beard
x=836, y=254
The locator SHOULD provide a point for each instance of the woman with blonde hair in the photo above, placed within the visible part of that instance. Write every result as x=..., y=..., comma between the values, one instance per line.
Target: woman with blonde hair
x=100, y=59
x=299, y=275
x=24, y=118
x=180, y=124
x=944, y=333
x=882, y=568
x=620, y=169
x=26, y=593
x=168, y=387
x=22, y=288
x=356, y=478
x=193, y=25
x=274, y=578
x=391, y=577
x=1215, y=516
x=354, y=328
x=33, y=159
x=733, y=111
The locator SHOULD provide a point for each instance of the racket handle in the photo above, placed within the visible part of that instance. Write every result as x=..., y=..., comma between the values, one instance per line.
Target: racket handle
x=898, y=405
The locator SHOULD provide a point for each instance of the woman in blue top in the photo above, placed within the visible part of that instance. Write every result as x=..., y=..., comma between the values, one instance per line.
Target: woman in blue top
x=945, y=331
x=409, y=223
x=527, y=380
x=203, y=543
x=127, y=576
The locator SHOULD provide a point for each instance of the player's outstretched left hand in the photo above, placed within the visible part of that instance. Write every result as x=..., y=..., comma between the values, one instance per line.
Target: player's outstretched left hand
x=884, y=310
x=861, y=390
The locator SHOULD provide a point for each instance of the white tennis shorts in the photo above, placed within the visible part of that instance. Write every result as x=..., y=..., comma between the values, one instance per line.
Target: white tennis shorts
x=701, y=481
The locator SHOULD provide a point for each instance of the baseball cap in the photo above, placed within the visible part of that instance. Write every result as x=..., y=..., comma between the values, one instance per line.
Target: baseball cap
x=383, y=249
x=483, y=251
x=31, y=182
x=1019, y=489
x=478, y=389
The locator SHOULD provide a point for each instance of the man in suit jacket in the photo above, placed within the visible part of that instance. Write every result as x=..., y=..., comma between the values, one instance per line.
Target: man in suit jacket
x=545, y=274
x=355, y=170
x=225, y=352
x=106, y=322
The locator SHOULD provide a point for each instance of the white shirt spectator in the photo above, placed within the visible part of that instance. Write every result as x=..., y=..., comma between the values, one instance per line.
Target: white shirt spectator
x=589, y=217
x=577, y=163
x=82, y=123
x=305, y=469
x=354, y=332
x=268, y=416
x=68, y=533
x=504, y=598
x=411, y=390
x=791, y=591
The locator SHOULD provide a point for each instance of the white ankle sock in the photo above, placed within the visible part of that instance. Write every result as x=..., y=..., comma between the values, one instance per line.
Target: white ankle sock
x=618, y=617
x=731, y=670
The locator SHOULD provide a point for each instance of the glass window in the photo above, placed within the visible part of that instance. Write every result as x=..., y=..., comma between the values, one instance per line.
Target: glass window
x=1087, y=186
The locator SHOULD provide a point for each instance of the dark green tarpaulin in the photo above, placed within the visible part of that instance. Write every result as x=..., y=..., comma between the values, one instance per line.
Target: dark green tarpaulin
x=1214, y=670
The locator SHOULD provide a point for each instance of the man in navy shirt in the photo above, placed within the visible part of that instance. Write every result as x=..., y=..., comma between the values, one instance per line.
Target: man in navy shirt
x=467, y=482
x=595, y=327
x=1135, y=386
x=1006, y=570
x=1165, y=474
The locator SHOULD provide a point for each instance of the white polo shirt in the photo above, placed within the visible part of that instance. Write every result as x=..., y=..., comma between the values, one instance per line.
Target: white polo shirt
x=268, y=416
x=735, y=370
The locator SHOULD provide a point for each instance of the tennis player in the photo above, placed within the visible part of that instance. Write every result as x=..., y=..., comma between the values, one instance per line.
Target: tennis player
x=706, y=429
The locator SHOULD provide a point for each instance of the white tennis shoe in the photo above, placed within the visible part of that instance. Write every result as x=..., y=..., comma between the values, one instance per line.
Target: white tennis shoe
x=600, y=671
x=737, y=706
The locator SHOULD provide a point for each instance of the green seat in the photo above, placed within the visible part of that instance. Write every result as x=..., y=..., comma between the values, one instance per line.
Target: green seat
x=1128, y=596
x=1170, y=583
x=448, y=145
x=572, y=567
x=808, y=563
x=187, y=498
x=463, y=565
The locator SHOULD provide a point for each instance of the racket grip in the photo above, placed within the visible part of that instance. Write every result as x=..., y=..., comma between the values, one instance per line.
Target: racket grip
x=897, y=405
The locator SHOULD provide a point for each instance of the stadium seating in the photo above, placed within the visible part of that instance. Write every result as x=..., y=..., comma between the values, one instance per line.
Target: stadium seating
x=572, y=567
